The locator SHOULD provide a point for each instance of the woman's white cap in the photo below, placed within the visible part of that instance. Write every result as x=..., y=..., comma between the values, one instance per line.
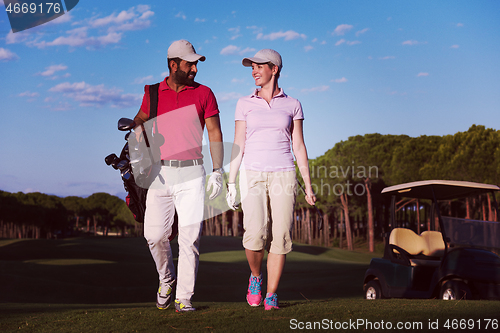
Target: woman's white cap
x=262, y=57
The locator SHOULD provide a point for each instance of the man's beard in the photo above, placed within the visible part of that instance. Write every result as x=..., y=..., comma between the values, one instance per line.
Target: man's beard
x=182, y=77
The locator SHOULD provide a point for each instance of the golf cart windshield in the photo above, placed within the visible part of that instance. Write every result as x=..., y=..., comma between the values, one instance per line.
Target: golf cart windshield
x=472, y=233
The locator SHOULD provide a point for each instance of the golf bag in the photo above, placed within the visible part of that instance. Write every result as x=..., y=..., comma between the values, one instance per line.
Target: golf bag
x=137, y=183
x=136, y=195
x=136, y=199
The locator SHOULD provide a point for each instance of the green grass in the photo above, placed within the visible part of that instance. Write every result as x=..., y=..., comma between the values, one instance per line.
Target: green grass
x=109, y=285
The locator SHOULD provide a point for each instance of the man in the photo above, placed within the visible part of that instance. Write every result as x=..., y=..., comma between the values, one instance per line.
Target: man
x=185, y=107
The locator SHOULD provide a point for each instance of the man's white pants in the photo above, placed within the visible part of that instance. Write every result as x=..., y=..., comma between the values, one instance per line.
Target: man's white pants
x=181, y=189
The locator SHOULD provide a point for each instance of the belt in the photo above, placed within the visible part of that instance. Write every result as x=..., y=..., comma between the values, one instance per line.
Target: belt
x=181, y=164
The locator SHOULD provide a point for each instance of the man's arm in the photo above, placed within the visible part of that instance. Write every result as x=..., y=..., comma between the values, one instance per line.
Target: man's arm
x=215, y=138
x=140, y=118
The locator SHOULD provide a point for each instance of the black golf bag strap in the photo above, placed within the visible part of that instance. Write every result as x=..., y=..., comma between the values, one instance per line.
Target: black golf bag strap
x=153, y=110
x=153, y=100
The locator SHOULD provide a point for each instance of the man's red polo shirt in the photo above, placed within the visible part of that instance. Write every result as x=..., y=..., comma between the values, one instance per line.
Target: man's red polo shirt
x=181, y=119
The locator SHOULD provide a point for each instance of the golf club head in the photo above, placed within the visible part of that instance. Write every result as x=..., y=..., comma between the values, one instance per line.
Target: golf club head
x=125, y=124
x=126, y=174
x=122, y=165
x=115, y=162
x=110, y=158
x=124, y=152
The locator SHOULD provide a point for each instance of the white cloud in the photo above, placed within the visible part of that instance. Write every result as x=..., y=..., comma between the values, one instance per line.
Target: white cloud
x=96, y=96
x=460, y=25
x=456, y=46
x=360, y=32
x=29, y=94
x=199, y=20
x=61, y=19
x=141, y=80
x=79, y=38
x=255, y=29
x=51, y=70
x=308, y=48
x=61, y=106
x=230, y=96
x=115, y=19
x=422, y=74
x=181, y=15
x=287, y=35
x=387, y=58
x=247, y=50
x=341, y=29
x=232, y=49
x=316, y=89
x=18, y=37
x=126, y=20
x=342, y=80
x=235, y=32
x=7, y=55
x=90, y=34
x=412, y=42
x=350, y=43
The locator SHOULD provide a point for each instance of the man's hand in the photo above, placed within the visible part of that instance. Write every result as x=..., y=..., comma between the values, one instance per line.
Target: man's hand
x=215, y=181
x=231, y=196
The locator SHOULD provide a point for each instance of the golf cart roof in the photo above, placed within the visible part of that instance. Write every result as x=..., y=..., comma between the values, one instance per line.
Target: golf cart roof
x=443, y=189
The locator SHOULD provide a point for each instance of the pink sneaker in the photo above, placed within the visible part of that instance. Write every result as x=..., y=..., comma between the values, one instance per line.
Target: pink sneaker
x=271, y=302
x=254, y=295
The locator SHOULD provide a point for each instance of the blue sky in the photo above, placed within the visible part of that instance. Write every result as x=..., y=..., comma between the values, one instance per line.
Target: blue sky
x=358, y=67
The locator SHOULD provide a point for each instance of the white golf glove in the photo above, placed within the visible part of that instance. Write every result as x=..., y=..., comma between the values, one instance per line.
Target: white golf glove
x=231, y=196
x=215, y=181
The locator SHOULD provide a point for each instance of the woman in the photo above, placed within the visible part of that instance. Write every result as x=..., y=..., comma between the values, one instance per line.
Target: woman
x=266, y=122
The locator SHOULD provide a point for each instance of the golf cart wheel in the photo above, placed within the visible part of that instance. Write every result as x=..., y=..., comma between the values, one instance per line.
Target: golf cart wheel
x=373, y=290
x=455, y=290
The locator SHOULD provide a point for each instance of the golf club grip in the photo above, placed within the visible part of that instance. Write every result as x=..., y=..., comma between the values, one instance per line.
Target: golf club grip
x=145, y=136
x=147, y=143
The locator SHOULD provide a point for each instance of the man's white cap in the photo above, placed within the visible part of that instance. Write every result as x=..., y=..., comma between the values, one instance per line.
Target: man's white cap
x=184, y=50
x=262, y=57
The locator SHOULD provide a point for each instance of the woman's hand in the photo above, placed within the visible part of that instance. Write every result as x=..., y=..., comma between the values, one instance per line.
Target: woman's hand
x=310, y=196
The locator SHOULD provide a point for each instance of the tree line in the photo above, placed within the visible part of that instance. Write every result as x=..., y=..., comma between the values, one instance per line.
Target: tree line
x=37, y=215
x=347, y=179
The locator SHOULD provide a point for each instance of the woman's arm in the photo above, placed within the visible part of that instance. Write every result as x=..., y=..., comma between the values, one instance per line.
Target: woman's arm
x=240, y=129
x=300, y=152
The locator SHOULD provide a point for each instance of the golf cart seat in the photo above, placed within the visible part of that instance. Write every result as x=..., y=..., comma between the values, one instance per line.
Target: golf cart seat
x=425, y=249
x=434, y=243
